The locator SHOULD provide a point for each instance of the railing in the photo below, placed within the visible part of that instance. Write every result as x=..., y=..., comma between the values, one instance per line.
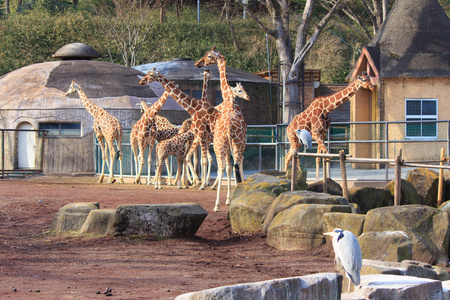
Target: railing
x=267, y=145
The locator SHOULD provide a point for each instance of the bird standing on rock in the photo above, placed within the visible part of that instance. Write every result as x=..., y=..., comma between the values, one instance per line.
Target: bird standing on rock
x=348, y=252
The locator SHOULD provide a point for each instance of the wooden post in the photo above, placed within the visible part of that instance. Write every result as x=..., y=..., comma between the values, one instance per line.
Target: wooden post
x=343, y=174
x=398, y=178
x=441, y=178
x=325, y=172
x=294, y=172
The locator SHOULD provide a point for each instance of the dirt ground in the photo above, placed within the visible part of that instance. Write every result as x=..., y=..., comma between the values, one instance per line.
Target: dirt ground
x=35, y=264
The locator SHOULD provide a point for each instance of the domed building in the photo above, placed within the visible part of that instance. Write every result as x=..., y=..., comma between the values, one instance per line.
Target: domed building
x=33, y=98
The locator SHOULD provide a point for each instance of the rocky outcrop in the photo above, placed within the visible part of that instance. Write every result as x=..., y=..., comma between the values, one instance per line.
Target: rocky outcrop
x=426, y=182
x=167, y=220
x=317, y=286
x=300, y=227
x=72, y=216
x=427, y=227
x=247, y=211
x=289, y=199
x=368, y=198
x=351, y=222
x=394, y=246
x=262, y=182
x=333, y=188
x=408, y=193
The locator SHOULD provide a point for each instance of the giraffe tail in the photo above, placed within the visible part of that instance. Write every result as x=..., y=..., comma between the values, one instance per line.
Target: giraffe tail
x=117, y=155
x=237, y=174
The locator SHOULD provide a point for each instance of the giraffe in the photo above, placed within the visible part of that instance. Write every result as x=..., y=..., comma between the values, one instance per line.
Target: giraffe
x=315, y=118
x=178, y=146
x=164, y=130
x=203, y=114
x=105, y=126
x=143, y=132
x=230, y=129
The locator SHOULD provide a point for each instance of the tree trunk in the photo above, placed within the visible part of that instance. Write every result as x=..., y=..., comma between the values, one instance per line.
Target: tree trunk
x=7, y=10
x=230, y=24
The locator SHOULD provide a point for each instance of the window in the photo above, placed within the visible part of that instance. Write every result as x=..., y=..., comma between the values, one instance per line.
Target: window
x=421, y=110
x=61, y=129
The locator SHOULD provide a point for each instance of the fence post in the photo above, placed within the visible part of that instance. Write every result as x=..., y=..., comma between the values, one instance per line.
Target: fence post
x=398, y=178
x=294, y=172
x=441, y=178
x=343, y=174
x=325, y=172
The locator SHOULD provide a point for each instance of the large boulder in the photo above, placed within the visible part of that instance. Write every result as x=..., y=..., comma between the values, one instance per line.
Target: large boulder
x=408, y=193
x=394, y=287
x=247, y=211
x=316, y=286
x=289, y=199
x=333, y=187
x=427, y=227
x=263, y=182
x=167, y=220
x=394, y=246
x=368, y=198
x=72, y=216
x=300, y=227
x=426, y=183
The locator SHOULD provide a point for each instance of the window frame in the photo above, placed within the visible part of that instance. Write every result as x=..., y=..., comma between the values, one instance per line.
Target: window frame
x=420, y=118
x=60, y=130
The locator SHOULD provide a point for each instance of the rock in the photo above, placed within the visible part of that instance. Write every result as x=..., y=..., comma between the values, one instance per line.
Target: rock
x=346, y=221
x=405, y=268
x=258, y=181
x=409, y=194
x=289, y=199
x=97, y=221
x=427, y=227
x=426, y=182
x=71, y=216
x=368, y=198
x=247, y=211
x=333, y=188
x=395, y=287
x=394, y=246
x=317, y=286
x=168, y=220
x=301, y=179
x=301, y=226
x=446, y=290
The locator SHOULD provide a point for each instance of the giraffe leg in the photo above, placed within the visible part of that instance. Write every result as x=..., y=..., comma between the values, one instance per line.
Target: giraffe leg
x=112, y=155
x=169, y=172
x=179, y=171
x=102, y=147
x=204, y=165
x=208, y=174
x=141, y=164
x=158, y=176
x=229, y=171
x=135, y=156
x=219, y=183
x=119, y=151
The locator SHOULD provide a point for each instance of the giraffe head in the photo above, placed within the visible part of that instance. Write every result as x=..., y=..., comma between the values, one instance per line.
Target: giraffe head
x=210, y=58
x=73, y=88
x=207, y=74
x=365, y=81
x=238, y=91
x=151, y=76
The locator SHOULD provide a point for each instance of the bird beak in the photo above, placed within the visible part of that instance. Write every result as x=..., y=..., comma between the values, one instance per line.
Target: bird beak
x=328, y=233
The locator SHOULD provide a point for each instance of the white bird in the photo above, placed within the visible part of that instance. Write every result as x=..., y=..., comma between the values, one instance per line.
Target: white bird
x=348, y=252
x=305, y=137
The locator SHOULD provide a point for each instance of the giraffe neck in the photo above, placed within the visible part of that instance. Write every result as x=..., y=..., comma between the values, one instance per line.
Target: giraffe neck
x=189, y=103
x=151, y=112
x=335, y=100
x=227, y=93
x=90, y=107
x=205, y=87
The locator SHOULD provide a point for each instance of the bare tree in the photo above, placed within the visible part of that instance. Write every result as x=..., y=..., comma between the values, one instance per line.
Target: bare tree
x=128, y=29
x=291, y=61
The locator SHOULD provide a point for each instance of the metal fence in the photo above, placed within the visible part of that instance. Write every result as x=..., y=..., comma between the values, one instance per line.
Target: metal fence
x=268, y=144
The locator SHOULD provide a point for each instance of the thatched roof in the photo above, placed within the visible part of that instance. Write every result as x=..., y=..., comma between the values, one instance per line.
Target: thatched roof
x=414, y=40
x=43, y=86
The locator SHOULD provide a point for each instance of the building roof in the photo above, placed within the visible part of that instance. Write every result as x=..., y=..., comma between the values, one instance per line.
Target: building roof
x=76, y=51
x=43, y=86
x=414, y=40
x=185, y=69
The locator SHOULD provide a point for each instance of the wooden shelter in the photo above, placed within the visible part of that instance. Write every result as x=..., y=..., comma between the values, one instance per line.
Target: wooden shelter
x=409, y=60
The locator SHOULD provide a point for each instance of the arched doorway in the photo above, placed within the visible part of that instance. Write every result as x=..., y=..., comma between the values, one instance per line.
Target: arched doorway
x=26, y=147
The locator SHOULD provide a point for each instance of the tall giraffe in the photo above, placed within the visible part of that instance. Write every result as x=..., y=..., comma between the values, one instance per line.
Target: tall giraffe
x=203, y=114
x=231, y=127
x=143, y=132
x=315, y=118
x=105, y=126
x=164, y=130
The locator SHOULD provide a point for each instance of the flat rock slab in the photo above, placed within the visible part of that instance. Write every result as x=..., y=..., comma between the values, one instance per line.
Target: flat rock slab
x=317, y=286
x=395, y=287
x=72, y=216
x=167, y=220
x=97, y=221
